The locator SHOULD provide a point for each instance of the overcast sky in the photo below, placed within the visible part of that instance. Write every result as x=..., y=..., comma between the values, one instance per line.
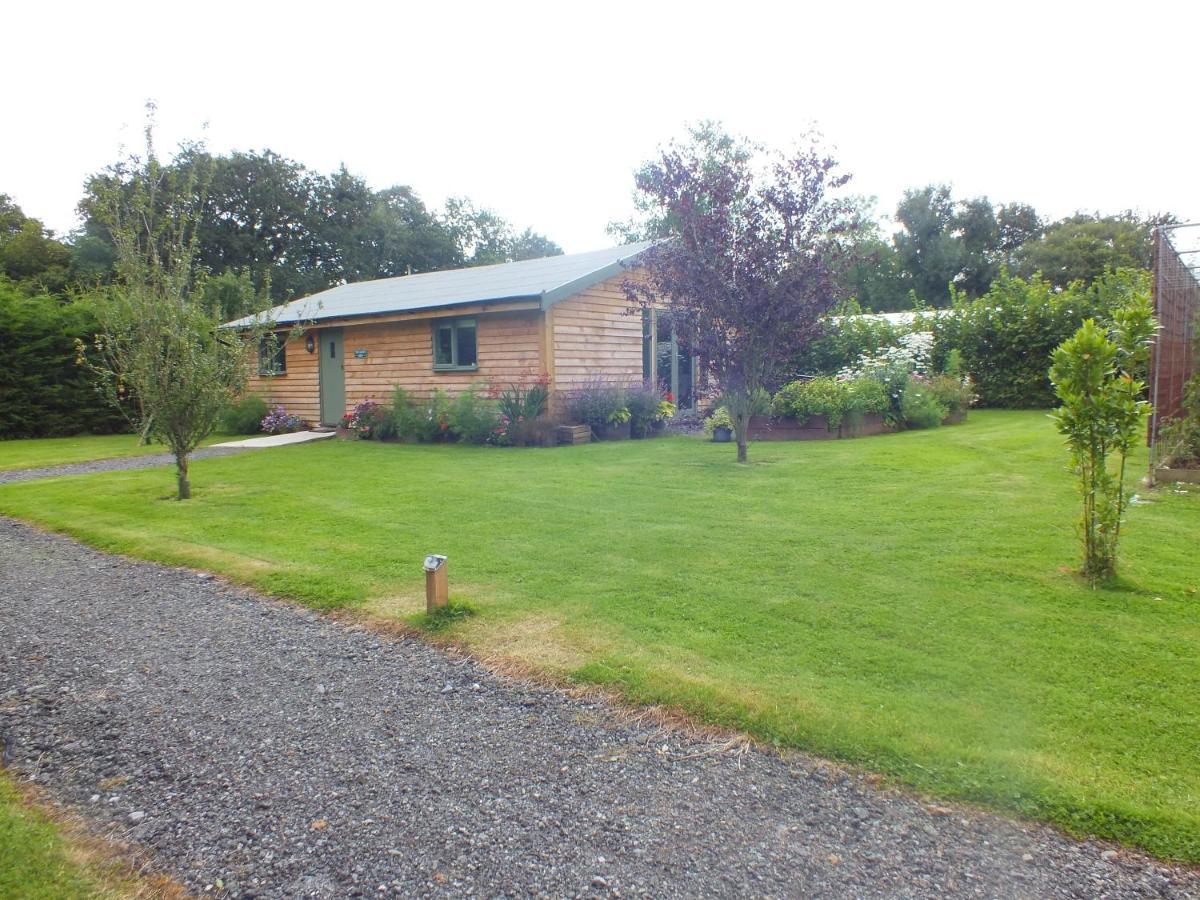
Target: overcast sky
x=542, y=111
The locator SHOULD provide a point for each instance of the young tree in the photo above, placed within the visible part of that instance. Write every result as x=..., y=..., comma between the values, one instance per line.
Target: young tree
x=759, y=243
x=1095, y=376
x=159, y=334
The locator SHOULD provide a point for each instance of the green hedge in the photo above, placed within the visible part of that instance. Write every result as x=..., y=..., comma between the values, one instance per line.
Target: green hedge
x=1006, y=337
x=43, y=393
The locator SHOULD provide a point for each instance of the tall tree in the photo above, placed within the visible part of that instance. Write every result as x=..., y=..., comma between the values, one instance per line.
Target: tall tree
x=30, y=255
x=759, y=242
x=301, y=232
x=485, y=238
x=1084, y=246
x=930, y=252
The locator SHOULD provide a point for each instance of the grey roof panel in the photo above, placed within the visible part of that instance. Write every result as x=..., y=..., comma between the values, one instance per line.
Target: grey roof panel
x=547, y=280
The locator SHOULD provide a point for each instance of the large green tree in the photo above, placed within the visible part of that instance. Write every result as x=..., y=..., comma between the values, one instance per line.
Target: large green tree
x=1084, y=246
x=30, y=255
x=299, y=232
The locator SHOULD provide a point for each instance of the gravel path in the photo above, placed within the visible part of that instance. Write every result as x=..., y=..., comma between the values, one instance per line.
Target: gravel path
x=277, y=753
x=116, y=464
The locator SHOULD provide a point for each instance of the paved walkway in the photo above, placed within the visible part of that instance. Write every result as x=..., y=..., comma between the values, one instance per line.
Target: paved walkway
x=123, y=463
x=280, y=440
x=277, y=753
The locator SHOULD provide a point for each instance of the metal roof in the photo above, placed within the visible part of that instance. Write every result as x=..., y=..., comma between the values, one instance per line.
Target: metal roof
x=547, y=280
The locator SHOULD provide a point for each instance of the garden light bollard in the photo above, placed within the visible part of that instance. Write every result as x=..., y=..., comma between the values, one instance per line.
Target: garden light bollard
x=437, y=586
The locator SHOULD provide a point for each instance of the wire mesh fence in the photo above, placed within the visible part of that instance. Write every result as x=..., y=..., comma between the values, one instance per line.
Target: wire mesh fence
x=1177, y=307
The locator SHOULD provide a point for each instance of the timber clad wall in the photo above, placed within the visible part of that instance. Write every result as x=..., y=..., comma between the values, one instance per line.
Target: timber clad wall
x=400, y=354
x=595, y=338
x=591, y=337
x=297, y=391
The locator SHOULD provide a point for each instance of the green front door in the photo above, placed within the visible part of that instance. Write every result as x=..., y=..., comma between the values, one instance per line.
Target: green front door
x=332, y=373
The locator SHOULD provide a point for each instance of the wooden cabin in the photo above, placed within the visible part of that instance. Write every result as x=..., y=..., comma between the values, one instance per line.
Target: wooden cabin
x=565, y=318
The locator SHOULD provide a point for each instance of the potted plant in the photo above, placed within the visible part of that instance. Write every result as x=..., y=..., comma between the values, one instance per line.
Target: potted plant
x=616, y=427
x=719, y=426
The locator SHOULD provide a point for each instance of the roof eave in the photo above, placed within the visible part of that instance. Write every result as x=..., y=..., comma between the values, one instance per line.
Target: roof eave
x=583, y=282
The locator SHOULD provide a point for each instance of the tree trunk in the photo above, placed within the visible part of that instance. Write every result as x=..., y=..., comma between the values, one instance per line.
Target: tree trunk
x=181, y=470
x=741, y=431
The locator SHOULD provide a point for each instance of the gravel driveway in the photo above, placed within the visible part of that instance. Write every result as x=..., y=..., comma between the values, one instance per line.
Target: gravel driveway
x=271, y=752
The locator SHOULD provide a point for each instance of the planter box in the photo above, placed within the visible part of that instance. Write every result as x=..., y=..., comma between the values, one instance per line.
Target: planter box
x=785, y=428
x=862, y=426
x=815, y=428
x=612, y=432
x=1190, y=476
x=573, y=434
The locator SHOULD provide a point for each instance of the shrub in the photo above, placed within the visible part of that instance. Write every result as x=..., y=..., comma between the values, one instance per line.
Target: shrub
x=412, y=419
x=919, y=404
x=642, y=401
x=245, y=416
x=846, y=337
x=1006, y=336
x=472, y=416
x=367, y=420
x=280, y=421
x=830, y=397
x=957, y=394
x=520, y=407
x=597, y=404
x=43, y=391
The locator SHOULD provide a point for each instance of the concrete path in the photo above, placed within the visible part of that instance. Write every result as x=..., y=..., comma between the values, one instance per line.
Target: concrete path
x=259, y=750
x=123, y=463
x=280, y=440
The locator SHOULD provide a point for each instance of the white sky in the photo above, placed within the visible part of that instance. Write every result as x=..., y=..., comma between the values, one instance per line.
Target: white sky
x=543, y=110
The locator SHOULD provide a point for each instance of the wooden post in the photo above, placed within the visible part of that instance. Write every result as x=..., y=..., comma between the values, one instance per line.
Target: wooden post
x=437, y=584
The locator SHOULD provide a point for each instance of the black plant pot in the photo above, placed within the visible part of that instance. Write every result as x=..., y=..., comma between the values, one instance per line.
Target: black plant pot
x=722, y=435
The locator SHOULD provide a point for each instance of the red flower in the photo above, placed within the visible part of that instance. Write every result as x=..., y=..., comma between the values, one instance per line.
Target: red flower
x=670, y=398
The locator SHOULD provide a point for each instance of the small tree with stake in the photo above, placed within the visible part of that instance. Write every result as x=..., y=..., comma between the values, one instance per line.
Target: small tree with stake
x=160, y=340
x=758, y=244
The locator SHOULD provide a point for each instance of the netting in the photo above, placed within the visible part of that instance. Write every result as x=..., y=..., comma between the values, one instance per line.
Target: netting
x=1177, y=307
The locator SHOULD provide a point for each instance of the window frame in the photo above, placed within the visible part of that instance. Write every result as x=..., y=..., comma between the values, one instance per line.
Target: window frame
x=276, y=365
x=454, y=325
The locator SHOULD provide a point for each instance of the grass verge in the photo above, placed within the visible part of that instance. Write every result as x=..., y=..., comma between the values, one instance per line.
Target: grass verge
x=47, y=855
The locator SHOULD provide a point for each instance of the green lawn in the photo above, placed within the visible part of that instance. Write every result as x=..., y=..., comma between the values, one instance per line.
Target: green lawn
x=903, y=602
x=34, y=453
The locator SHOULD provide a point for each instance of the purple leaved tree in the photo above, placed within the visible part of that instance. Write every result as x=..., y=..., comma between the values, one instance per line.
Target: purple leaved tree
x=754, y=247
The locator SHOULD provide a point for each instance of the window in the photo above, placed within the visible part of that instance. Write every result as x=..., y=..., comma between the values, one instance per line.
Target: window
x=272, y=357
x=454, y=344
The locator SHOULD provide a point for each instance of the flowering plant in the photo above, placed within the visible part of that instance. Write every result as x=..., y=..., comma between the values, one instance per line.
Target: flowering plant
x=279, y=421
x=365, y=419
x=666, y=407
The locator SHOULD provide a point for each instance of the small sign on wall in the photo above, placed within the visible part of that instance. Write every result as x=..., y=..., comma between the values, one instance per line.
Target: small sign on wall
x=360, y=354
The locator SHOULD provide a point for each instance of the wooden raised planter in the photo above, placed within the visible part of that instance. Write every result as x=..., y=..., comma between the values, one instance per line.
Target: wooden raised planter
x=1189, y=476
x=815, y=428
x=611, y=432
